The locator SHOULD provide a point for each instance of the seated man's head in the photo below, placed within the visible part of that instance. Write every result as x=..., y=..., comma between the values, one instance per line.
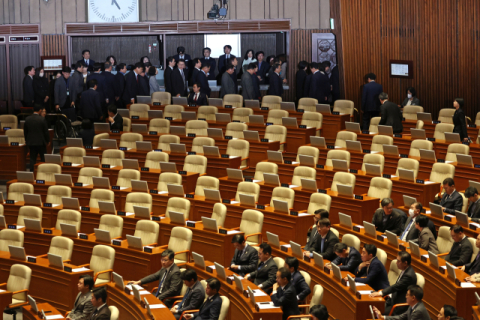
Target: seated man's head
x=387, y=206
x=457, y=233
x=448, y=185
x=369, y=252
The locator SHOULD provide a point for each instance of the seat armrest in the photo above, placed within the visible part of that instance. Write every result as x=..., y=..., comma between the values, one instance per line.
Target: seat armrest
x=188, y=311
x=42, y=255
x=255, y=234
x=300, y=316
x=153, y=290
x=442, y=254
x=101, y=272
x=20, y=291
x=84, y=265
x=164, y=246
x=151, y=244
x=398, y=305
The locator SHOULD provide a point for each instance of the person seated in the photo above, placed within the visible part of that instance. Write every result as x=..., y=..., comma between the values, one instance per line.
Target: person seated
x=461, y=251
x=87, y=132
x=348, y=258
x=211, y=308
x=409, y=231
x=196, y=98
x=474, y=266
x=387, y=219
x=319, y=312
x=312, y=232
x=99, y=301
x=285, y=296
x=425, y=238
x=265, y=274
x=83, y=307
x=399, y=290
x=297, y=280
x=325, y=242
x=448, y=312
x=473, y=211
x=193, y=298
x=371, y=271
x=245, y=258
x=451, y=200
x=414, y=300
x=114, y=119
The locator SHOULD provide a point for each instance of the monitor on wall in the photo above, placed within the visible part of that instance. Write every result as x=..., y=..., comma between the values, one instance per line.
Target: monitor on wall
x=401, y=69
x=53, y=63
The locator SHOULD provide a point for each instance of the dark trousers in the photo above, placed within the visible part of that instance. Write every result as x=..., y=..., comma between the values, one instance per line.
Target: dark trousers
x=34, y=152
x=367, y=116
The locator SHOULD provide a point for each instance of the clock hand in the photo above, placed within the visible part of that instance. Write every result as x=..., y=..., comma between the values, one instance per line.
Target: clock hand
x=115, y=2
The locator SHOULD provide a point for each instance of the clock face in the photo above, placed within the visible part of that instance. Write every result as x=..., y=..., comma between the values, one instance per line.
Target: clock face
x=112, y=11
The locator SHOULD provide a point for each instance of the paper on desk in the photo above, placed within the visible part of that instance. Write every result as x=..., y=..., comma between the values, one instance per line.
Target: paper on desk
x=358, y=284
x=157, y=306
x=449, y=161
x=234, y=202
x=76, y=164
x=337, y=147
x=20, y=227
x=425, y=255
x=233, y=231
x=429, y=182
x=371, y=132
x=428, y=212
x=129, y=214
x=55, y=205
x=2, y=290
x=266, y=305
x=21, y=144
x=295, y=162
x=467, y=285
x=141, y=292
x=233, y=157
x=111, y=167
x=259, y=293
x=80, y=269
x=304, y=214
x=286, y=246
x=364, y=291
x=256, y=180
x=162, y=192
x=129, y=148
x=451, y=216
x=292, y=186
x=373, y=152
x=86, y=185
x=475, y=224
x=129, y=287
x=239, y=277
x=123, y=188
x=55, y=316
x=393, y=176
x=359, y=226
x=95, y=147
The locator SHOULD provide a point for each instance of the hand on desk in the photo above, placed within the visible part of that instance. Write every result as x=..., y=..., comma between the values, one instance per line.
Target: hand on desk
x=375, y=294
x=174, y=309
x=462, y=268
x=135, y=283
x=378, y=313
x=247, y=276
x=188, y=316
x=233, y=267
x=306, y=253
x=328, y=266
x=468, y=279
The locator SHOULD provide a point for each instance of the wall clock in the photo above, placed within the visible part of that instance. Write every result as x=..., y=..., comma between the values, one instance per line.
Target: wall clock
x=101, y=11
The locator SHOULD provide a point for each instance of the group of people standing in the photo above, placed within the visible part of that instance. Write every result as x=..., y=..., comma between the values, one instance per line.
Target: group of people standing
x=317, y=80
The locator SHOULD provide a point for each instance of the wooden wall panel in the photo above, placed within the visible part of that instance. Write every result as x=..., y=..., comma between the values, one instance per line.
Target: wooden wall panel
x=53, y=45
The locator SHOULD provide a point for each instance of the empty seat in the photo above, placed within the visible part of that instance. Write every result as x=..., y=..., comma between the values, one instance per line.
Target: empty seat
x=283, y=194
x=164, y=98
x=382, y=256
x=154, y=158
x=240, y=148
x=219, y=213
x=418, y=144
x=376, y=159
x=111, y=223
x=56, y=193
x=125, y=177
x=265, y=167
x=477, y=119
x=408, y=164
x=179, y=205
x=302, y=172
x=419, y=124
x=344, y=178
x=165, y=140
x=180, y=242
x=199, y=142
x=68, y=216
x=8, y=121
x=319, y=201
x=308, y=151
x=444, y=240
x=74, y=155
x=166, y=178
x=129, y=139
x=198, y=127
x=85, y=175
x=207, y=113
x=113, y=157
x=61, y=246
x=139, y=110
x=139, y=199
x=148, y=231
x=15, y=135
x=440, y=130
x=101, y=262
x=159, y=125
x=195, y=163
x=308, y=104
x=252, y=224
x=275, y=116
x=241, y=114
x=313, y=119
x=441, y=171
x=276, y=133
x=379, y=140
x=19, y=282
x=374, y=124
x=47, y=171
x=455, y=148
x=29, y=212
x=235, y=130
x=338, y=155
x=351, y=241
x=101, y=195
x=9, y=237
x=410, y=112
x=343, y=136
x=248, y=188
x=344, y=106
x=271, y=102
x=380, y=188
x=17, y=189
x=114, y=312
x=127, y=124
x=234, y=100
x=446, y=115
x=173, y=111
x=99, y=137
x=206, y=182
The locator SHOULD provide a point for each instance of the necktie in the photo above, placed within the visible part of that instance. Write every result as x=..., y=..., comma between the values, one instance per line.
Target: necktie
x=228, y=56
x=184, y=298
x=478, y=255
x=322, y=243
x=472, y=209
x=94, y=314
x=404, y=234
x=183, y=76
x=160, y=284
x=260, y=266
x=136, y=77
x=196, y=95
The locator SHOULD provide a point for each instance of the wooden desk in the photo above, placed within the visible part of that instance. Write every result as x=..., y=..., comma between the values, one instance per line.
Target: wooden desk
x=476, y=312
x=430, y=128
x=333, y=124
x=12, y=159
x=5, y=299
x=29, y=314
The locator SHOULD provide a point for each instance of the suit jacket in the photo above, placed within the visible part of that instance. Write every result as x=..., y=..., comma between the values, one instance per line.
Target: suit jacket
x=419, y=313
x=248, y=92
x=351, y=262
x=319, y=87
x=311, y=239
x=82, y=309
x=275, y=85
x=227, y=86
x=375, y=275
x=87, y=136
x=426, y=241
x=415, y=102
x=460, y=126
x=178, y=86
x=300, y=77
x=234, y=79
x=143, y=86
x=172, y=285
x=474, y=213
x=286, y=298
x=248, y=261
x=265, y=275
x=213, y=66
x=110, y=83
x=100, y=86
x=460, y=253
x=262, y=71
x=154, y=86
x=413, y=233
x=40, y=89
x=118, y=123
x=90, y=105
x=167, y=75
x=89, y=65
x=301, y=287
x=335, y=83
x=256, y=86
x=452, y=202
x=306, y=89
x=394, y=222
x=103, y=314
x=391, y=116
x=473, y=267
x=76, y=86
x=193, y=79
x=35, y=131
x=61, y=91
x=399, y=289
x=28, y=93
x=330, y=240
x=131, y=87
x=195, y=297
x=203, y=80
x=119, y=84
x=201, y=100
x=222, y=64
x=370, y=102
x=210, y=310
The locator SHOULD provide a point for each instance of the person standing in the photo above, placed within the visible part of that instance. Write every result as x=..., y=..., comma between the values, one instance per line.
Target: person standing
x=76, y=82
x=40, y=89
x=211, y=61
x=390, y=114
x=179, y=80
x=370, y=101
x=224, y=59
x=86, y=59
x=120, y=85
x=227, y=85
x=300, y=77
x=90, y=105
x=263, y=67
x=320, y=84
x=152, y=80
x=335, y=83
x=28, y=93
x=256, y=83
x=167, y=75
x=233, y=75
x=460, y=126
x=63, y=103
x=247, y=59
x=276, y=85
x=202, y=80
x=197, y=65
x=248, y=91
x=36, y=135
x=186, y=59
x=143, y=81
x=109, y=83
x=131, y=84
x=87, y=133
x=98, y=75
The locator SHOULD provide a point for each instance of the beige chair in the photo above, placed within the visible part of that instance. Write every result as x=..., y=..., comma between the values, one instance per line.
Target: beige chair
x=283, y=194
x=454, y=148
x=275, y=116
x=29, y=212
x=410, y=112
x=475, y=249
x=241, y=114
x=313, y=119
x=271, y=102
x=85, y=175
x=154, y=158
x=343, y=136
x=68, y=216
x=164, y=98
x=148, y=231
x=319, y=201
x=393, y=272
x=379, y=140
x=159, y=125
x=112, y=223
x=113, y=157
x=344, y=106
x=56, y=193
x=446, y=115
x=219, y=213
x=279, y=262
x=276, y=133
x=380, y=188
x=125, y=177
x=195, y=163
x=47, y=171
x=127, y=124
x=420, y=280
x=351, y=241
x=180, y=242
x=101, y=195
x=308, y=151
x=478, y=139
x=15, y=135
x=444, y=240
x=234, y=100
x=373, y=158
x=382, y=256
x=199, y=142
x=440, y=130
x=408, y=164
x=224, y=308
x=345, y=178
x=418, y=144
x=206, y=182
x=17, y=189
x=129, y=139
x=374, y=124
x=99, y=137
x=302, y=172
x=61, y=246
x=140, y=110
x=338, y=155
x=173, y=111
x=165, y=140
x=465, y=203
x=9, y=121
x=207, y=113
x=198, y=127
x=248, y=188
x=441, y=171
x=308, y=104
x=265, y=167
x=114, y=312
x=477, y=119
x=1, y=210
x=140, y=199
x=9, y=237
x=178, y=204
x=18, y=283
x=168, y=178
x=101, y=262
x=239, y=148
x=419, y=124
x=252, y=224
x=235, y=129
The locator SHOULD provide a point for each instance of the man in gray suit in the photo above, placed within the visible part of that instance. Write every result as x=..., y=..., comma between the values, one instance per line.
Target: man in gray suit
x=62, y=99
x=248, y=91
x=76, y=82
x=193, y=298
x=265, y=275
x=169, y=280
x=83, y=307
x=245, y=258
x=416, y=309
x=228, y=86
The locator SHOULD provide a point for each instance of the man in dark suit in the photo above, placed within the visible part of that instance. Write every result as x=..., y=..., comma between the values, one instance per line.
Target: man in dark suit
x=370, y=102
x=264, y=275
x=474, y=208
x=197, y=65
x=227, y=84
x=275, y=82
x=131, y=84
x=36, y=135
x=387, y=219
x=390, y=114
x=197, y=98
x=409, y=231
x=325, y=242
x=181, y=55
x=319, y=87
x=194, y=296
x=416, y=309
x=461, y=252
x=406, y=278
x=313, y=232
x=76, y=83
x=248, y=91
x=62, y=90
x=371, y=271
x=245, y=258
x=98, y=75
x=224, y=59
x=83, y=307
x=86, y=59
x=202, y=79
x=120, y=85
x=211, y=61
x=170, y=283
x=143, y=81
x=263, y=67
x=451, y=200
x=99, y=301
x=114, y=119
x=211, y=308
x=348, y=258
x=256, y=83
x=167, y=75
x=90, y=105
x=474, y=266
x=285, y=297
x=300, y=78
x=28, y=93
x=297, y=280
x=109, y=84
x=233, y=75
x=179, y=80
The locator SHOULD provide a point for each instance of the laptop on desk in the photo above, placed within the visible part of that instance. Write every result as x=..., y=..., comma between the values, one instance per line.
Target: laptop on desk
x=274, y=156
x=189, y=115
x=287, y=106
x=464, y=160
x=344, y=190
x=385, y=130
x=215, y=102
x=211, y=151
x=25, y=176
x=252, y=104
x=309, y=184
x=340, y=165
x=143, y=145
x=255, y=118
x=144, y=99
x=390, y=150
x=168, y=167
x=63, y=179
x=306, y=160
x=17, y=252
x=75, y=142
x=427, y=155
x=155, y=114
x=370, y=229
x=355, y=146
x=436, y=210
x=139, y=128
x=32, y=199
x=271, y=179
x=392, y=238
x=408, y=175
x=139, y=186
x=289, y=122
x=118, y=279
x=235, y=174
x=323, y=108
x=345, y=220
x=176, y=190
x=210, y=224
x=181, y=101
x=89, y=161
x=408, y=201
x=178, y=131
x=212, y=195
x=247, y=200
x=141, y=212
x=451, y=137
x=53, y=158
x=101, y=182
x=55, y=260
x=424, y=116
x=373, y=170
x=101, y=127
x=414, y=249
x=198, y=260
x=418, y=134
x=273, y=239
x=69, y=230
x=108, y=144
x=296, y=250
x=220, y=271
x=33, y=225
x=281, y=206
x=106, y=207
x=177, y=217
x=353, y=127
x=462, y=218
x=134, y=242
x=178, y=148
x=124, y=113
x=223, y=117
x=102, y=235
x=318, y=142
x=70, y=203
x=474, y=184
x=130, y=164
x=250, y=135
x=216, y=132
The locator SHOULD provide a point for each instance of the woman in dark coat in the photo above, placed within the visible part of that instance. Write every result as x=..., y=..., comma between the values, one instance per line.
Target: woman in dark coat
x=459, y=122
x=40, y=88
x=301, y=76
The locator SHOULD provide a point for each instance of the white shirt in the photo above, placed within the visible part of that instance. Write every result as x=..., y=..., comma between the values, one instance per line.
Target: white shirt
x=86, y=61
x=170, y=67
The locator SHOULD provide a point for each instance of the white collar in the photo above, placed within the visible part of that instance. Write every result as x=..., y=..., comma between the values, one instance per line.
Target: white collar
x=170, y=67
x=98, y=309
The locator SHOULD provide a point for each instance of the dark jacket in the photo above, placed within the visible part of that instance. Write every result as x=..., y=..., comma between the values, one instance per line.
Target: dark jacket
x=248, y=92
x=178, y=86
x=143, y=86
x=100, y=86
x=201, y=100
x=460, y=253
x=474, y=211
x=76, y=86
x=194, y=78
x=222, y=64
x=473, y=267
x=210, y=309
x=118, y=124
x=213, y=66
x=286, y=298
x=452, y=203
x=351, y=262
x=248, y=261
x=204, y=87
x=262, y=71
x=256, y=86
x=335, y=83
x=90, y=105
x=61, y=91
x=394, y=222
x=399, y=289
x=375, y=275
x=119, y=84
x=265, y=275
x=227, y=85
x=275, y=85
x=413, y=232
x=195, y=297
x=370, y=102
x=110, y=83
x=131, y=87
x=35, y=131
x=419, y=313
x=330, y=240
x=415, y=102
x=82, y=308
x=460, y=126
x=319, y=87
x=103, y=314
x=391, y=116
x=40, y=89
x=89, y=65
x=300, y=79
x=301, y=287
x=234, y=79
x=167, y=76
x=188, y=64
x=87, y=136
x=306, y=88
x=426, y=241
x=311, y=238
x=172, y=284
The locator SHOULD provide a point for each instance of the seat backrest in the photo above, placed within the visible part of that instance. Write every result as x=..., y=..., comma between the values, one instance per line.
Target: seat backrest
x=418, y=144
x=465, y=202
x=275, y=116
x=127, y=124
x=154, y=158
x=178, y=204
x=114, y=313
x=199, y=142
x=235, y=129
x=207, y=112
x=308, y=104
x=271, y=102
x=276, y=133
x=9, y=120
x=344, y=106
x=206, y=182
x=235, y=100
x=319, y=201
x=140, y=110
x=68, y=216
x=440, y=130
x=265, y=167
x=343, y=136
x=180, y=240
x=101, y=195
x=148, y=231
x=393, y=272
x=239, y=148
x=173, y=111
x=380, y=188
x=29, y=212
x=351, y=241
x=345, y=178
x=335, y=231
x=129, y=139
x=279, y=262
x=15, y=135
x=441, y=171
x=382, y=256
x=195, y=163
x=19, y=279
x=113, y=157
x=249, y=188
x=338, y=155
x=408, y=164
x=477, y=119
x=379, y=140
x=98, y=137
x=454, y=148
x=283, y=194
x=159, y=125
x=17, y=189
x=198, y=127
x=252, y=222
x=140, y=199
x=61, y=246
x=373, y=158
x=9, y=237
x=241, y=114
x=224, y=308
x=112, y=223
x=410, y=112
x=419, y=124
x=47, y=171
x=125, y=177
x=312, y=119
x=85, y=175
x=374, y=124
x=168, y=178
x=308, y=151
x=475, y=249
x=219, y=213
x=102, y=259
x=317, y=295
x=444, y=239
x=446, y=115
x=165, y=140
x=163, y=97
x=302, y=172
x=420, y=280
x=55, y=194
